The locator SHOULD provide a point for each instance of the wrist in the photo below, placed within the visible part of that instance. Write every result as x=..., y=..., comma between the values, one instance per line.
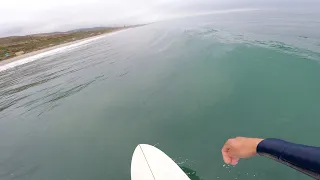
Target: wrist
x=255, y=143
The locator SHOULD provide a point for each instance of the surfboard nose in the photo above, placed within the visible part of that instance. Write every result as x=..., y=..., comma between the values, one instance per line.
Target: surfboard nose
x=149, y=163
x=140, y=169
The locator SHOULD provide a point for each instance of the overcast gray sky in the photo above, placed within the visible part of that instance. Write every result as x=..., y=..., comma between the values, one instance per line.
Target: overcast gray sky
x=19, y=17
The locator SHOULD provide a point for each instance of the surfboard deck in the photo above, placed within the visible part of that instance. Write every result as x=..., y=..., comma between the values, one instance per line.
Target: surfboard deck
x=149, y=163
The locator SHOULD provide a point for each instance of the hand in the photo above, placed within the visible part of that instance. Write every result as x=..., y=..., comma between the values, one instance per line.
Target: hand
x=239, y=147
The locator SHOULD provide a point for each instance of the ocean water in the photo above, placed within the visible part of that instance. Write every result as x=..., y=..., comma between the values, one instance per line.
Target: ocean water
x=185, y=86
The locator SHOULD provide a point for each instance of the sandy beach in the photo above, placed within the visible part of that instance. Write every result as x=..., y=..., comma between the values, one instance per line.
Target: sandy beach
x=12, y=62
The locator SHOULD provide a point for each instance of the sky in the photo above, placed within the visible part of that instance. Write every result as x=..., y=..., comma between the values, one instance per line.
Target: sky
x=21, y=17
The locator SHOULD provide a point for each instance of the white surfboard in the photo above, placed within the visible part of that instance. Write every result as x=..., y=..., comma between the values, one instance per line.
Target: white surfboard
x=149, y=163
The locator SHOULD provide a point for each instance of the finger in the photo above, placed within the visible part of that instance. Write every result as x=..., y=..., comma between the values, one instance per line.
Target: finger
x=234, y=161
x=226, y=158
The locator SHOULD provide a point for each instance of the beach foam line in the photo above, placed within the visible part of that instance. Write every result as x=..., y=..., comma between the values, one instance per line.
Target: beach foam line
x=53, y=51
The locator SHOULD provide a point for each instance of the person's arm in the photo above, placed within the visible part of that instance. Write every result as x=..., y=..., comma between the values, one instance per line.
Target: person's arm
x=300, y=157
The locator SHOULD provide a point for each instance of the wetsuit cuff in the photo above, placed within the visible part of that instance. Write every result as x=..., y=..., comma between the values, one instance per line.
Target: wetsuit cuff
x=271, y=147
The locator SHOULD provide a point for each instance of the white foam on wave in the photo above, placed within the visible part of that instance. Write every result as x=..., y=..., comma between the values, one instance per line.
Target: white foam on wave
x=53, y=52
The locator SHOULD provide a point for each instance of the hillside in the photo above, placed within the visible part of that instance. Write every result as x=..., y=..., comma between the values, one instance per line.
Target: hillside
x=18, y=45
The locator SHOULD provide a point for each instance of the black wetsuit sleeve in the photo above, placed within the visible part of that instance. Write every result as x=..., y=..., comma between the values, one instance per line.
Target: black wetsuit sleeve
x=300, y=157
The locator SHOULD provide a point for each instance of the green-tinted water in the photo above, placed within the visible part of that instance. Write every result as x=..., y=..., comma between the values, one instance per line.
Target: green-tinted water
x=185, y=85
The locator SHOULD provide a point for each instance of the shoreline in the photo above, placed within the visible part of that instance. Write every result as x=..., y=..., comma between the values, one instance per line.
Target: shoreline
x=31, y=56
